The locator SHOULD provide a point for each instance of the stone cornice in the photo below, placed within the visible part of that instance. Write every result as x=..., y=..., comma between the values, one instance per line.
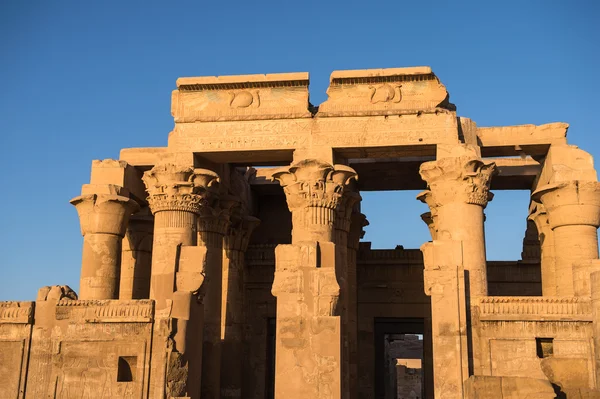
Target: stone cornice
x=534, y=308
x=16, y=312
x=457, y=179
x=175, y=188
x=570, y=203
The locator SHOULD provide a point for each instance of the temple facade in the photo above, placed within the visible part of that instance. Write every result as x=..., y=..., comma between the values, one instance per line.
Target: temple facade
x=229, y=263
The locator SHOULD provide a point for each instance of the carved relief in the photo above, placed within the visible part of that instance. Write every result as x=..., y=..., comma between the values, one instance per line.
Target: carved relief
x=385, y=93
x=244, y=99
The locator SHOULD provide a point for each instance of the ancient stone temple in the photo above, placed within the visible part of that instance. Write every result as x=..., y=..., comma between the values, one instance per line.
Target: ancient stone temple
x=229, y=263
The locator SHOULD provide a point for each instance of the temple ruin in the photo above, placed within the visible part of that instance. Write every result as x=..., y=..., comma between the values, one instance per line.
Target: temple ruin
x=229, y=263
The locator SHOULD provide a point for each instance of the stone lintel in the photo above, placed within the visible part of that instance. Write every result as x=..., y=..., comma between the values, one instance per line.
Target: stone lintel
x=513, y=140
x=384, y=92
x=245, y=97
x=428, y=128
x=145, y=157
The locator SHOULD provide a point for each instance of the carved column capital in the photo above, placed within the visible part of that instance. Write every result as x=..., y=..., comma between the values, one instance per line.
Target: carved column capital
x=175, y=188
x=312, y=183
x=457, y=179
x=570, y=203
x=104, y=213
x=239, y=232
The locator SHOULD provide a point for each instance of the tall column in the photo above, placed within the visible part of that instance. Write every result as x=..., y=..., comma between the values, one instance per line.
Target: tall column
x=573, y=210
x=309, y=338
x=357, y=222
x=539, y=216
x=103, y=211
x=212, y=226
x=233, y=313
x=177, y=195
x=457, y=195
x=136, y=259
x=458, y=192
x=444, y=282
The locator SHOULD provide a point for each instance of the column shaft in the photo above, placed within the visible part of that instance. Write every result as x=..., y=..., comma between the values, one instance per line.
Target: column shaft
x=572, y=243
x=464, y=222
x=101, y=266
x=172, y=229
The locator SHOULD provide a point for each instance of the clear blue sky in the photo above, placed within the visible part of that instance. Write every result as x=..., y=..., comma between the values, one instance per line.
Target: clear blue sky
x=82, y=79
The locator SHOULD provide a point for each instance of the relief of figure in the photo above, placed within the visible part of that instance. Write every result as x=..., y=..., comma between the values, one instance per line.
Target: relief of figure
x=385, y=93
x=244, y=99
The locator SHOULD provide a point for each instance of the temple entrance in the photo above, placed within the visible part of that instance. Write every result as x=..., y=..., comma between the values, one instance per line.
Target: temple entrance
x=399, y=355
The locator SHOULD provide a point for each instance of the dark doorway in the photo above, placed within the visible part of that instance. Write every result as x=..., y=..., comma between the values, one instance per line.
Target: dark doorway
x=271, y=343
x=399, y=354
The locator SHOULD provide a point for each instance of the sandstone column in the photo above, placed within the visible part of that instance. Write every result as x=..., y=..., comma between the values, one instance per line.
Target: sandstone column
x=136, y=259
x=104, y=211
x=539, y=216
x=309, y=338
x=445, y=284
x=458, y=192
x=573, y=210
x=457, y=195
x=177, y=195
x=212, y=226
x=232, y=313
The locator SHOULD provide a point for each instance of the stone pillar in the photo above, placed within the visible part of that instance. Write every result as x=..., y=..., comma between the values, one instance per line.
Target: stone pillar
x=104, y=211
x=177, y=195
x=457, y=195
x=233, y=309
x=212, y=227
x=358, y=222
x=539, y=216
x=136, y=258
x=444, y=283
x=573, y=210
x=309, y=337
